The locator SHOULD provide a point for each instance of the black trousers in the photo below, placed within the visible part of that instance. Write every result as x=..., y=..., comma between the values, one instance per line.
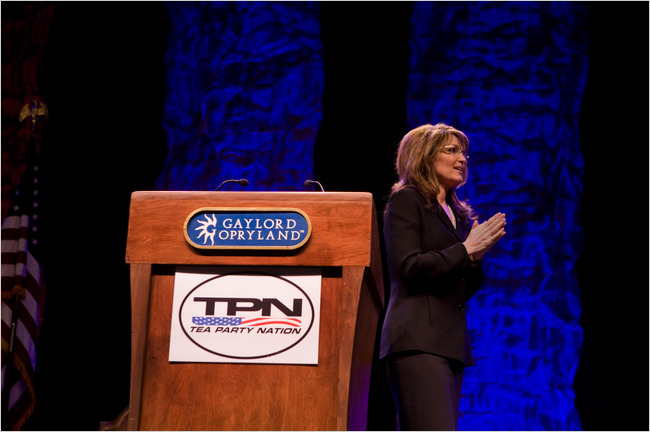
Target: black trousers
x=426, y=390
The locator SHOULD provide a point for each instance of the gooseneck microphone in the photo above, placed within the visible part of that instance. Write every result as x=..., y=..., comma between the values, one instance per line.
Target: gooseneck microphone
x=310, y=183
x=241, y=182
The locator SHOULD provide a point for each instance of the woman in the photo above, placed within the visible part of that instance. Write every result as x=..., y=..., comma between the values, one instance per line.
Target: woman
x=434, y=248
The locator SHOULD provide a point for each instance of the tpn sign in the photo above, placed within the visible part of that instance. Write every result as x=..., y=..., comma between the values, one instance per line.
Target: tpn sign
x=225, y=315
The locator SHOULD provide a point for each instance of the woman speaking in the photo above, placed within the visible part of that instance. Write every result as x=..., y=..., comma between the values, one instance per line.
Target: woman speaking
x=434, y=248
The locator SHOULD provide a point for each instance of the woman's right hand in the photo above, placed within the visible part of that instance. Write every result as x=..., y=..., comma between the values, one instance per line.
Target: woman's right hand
x=483, y=236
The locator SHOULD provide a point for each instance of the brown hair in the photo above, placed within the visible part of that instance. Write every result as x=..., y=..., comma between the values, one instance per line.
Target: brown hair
x=414, y=165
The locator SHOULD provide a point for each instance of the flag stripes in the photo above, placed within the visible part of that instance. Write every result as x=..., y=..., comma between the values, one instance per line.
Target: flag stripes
x=22, y=302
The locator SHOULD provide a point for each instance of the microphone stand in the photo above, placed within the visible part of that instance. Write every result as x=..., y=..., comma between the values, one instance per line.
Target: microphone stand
x=241, y=182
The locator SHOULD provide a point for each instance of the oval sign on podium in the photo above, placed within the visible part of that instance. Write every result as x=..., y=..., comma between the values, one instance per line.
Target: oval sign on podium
x=247, y=228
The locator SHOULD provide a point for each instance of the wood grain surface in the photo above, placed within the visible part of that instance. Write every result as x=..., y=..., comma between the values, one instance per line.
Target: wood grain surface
x=220, y=396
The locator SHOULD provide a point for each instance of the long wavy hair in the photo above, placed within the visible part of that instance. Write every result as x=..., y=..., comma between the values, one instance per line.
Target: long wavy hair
x=414, y=165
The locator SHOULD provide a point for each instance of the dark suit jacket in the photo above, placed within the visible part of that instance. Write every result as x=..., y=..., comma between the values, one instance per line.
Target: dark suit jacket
x=431, y=279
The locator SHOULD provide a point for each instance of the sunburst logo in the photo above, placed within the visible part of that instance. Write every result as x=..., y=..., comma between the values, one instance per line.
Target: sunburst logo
x=206, y=232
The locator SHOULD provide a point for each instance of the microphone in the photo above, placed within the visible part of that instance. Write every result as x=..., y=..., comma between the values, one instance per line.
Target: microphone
x=309, y=183
x=241, y=182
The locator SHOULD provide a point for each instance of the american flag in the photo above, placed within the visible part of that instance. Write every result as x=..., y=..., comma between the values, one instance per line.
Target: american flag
x=22, y=299
x=251, y=322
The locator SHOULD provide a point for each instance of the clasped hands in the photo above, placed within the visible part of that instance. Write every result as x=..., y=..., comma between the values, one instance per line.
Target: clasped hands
x=483, y=236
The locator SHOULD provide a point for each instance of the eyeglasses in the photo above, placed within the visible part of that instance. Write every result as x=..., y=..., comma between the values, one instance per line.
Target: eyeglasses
x=455, y=150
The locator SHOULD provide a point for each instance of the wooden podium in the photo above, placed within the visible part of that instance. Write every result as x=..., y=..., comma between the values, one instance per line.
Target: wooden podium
x=333, y=395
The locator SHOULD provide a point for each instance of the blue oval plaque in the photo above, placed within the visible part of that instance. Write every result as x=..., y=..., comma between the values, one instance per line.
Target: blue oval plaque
x=247, y=228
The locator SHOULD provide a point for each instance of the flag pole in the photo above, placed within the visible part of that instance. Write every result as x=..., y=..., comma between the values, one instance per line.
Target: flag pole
x=14, y=317
x=11, y=371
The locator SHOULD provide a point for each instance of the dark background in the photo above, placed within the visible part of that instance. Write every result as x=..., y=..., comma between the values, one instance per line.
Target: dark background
x=105, y=88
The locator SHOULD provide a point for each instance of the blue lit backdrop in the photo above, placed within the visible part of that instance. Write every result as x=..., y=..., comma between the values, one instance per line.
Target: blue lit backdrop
x=512, y=76
x=244, y=100
x=243, y=97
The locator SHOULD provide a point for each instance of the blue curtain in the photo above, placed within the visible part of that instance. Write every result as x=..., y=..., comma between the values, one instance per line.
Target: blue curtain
x=512, y=76
x=243, y=97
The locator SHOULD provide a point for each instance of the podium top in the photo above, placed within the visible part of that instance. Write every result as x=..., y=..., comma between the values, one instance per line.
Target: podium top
x=341, y=222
